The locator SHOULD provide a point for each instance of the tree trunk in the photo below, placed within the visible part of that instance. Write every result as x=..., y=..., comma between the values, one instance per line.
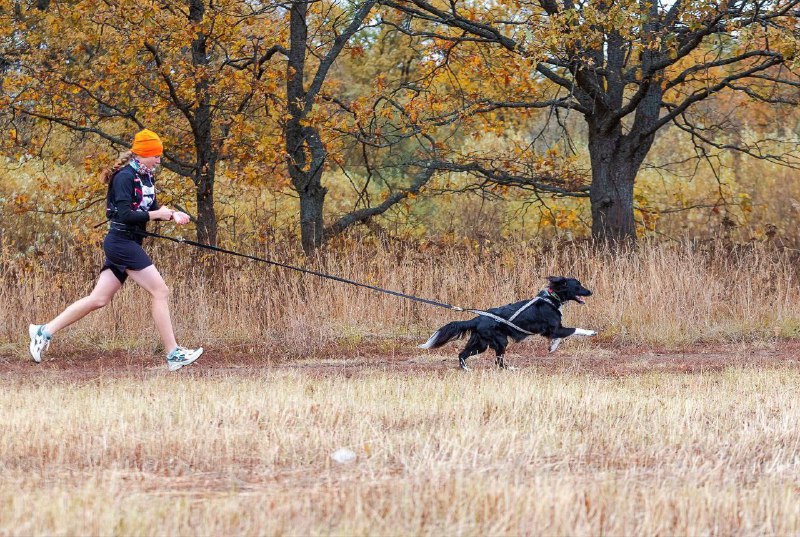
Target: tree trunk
x=206, y=214
x=305, y=154
x=611, y=193
x=311, y=222
x=306, y=157
x=616, y=158
x=206, y=163
x=205, y=176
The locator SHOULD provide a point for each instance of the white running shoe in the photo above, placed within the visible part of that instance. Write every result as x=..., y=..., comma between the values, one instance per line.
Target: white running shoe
x=39, y=342
x=181, y=357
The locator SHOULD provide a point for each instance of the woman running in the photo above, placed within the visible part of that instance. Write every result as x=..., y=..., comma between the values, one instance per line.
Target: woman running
x=130, y=204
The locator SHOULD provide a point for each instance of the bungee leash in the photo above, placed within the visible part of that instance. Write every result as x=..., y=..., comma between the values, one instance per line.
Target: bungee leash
x=298, y=269
x=201, y=245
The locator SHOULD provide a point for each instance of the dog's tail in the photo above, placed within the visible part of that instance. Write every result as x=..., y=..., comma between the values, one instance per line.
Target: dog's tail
x=449, y=332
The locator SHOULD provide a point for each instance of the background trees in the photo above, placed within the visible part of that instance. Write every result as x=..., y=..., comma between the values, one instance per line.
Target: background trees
x=207, y=77
x=629, y=68
x=107, y=69
x=316, y=115
x=381, y=101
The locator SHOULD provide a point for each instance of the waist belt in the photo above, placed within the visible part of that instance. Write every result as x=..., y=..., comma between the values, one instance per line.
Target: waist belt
x=133, y=233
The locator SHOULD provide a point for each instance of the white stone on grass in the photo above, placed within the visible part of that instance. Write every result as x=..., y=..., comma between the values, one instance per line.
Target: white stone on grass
x=343, y=456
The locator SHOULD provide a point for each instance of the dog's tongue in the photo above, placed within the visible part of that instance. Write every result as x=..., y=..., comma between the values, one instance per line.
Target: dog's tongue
x=580, y=300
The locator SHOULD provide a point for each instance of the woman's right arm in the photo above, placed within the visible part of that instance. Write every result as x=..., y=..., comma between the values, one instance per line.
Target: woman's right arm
x=123, y=201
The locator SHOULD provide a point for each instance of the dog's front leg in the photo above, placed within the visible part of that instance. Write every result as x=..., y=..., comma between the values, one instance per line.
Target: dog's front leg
x=562, y=332
x=582, y=332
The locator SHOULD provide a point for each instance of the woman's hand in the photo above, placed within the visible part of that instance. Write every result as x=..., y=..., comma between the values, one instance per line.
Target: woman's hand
x=180, y=218
x=162, y=213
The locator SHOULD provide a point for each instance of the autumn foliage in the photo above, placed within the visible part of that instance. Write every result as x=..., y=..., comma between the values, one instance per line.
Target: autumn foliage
x=410, y=118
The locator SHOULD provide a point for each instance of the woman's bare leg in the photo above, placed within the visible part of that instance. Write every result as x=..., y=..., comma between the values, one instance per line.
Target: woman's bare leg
x=106, y=287
x=152, y=282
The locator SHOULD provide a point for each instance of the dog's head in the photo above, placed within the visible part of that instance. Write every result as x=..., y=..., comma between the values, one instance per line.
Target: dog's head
x=568, y=289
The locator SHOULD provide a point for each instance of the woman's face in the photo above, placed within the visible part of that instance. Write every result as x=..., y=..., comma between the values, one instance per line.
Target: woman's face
x=150, y=162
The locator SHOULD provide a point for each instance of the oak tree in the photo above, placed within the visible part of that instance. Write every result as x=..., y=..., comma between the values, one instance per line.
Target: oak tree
x=630, y=68
x=110, y=68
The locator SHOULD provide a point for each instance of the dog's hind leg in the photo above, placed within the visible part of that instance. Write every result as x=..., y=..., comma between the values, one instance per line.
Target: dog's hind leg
x=474, y=346
x=501, y=363
x=554, y=343
x=499, y=347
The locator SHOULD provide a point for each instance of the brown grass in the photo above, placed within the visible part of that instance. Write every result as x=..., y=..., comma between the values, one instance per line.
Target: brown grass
x=437, y=453
x=662, y=296
x=126, y=449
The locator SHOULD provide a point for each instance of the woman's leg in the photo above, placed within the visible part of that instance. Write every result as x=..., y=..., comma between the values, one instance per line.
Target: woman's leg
x=107, y=285
x=152, y=282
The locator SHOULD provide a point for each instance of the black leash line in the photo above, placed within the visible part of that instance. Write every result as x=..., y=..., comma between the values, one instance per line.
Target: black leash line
x=298, y=269
x=338, y=279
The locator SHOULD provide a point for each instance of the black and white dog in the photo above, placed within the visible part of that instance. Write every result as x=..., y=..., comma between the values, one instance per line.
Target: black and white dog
x=540, y=315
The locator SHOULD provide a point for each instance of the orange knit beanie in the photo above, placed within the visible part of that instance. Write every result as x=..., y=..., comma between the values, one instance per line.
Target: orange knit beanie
x=146, y=143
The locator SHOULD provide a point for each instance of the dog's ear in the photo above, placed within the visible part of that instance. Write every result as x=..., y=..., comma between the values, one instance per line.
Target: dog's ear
x=555, y=280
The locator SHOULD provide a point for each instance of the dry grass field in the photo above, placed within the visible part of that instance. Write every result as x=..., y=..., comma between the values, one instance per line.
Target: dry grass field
x=120, y=447
x=681, y=418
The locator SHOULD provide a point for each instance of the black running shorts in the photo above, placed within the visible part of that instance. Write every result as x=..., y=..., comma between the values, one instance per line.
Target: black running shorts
x=124, y=252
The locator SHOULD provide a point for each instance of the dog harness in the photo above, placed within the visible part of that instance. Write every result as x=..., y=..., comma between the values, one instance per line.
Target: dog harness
x=520, y=310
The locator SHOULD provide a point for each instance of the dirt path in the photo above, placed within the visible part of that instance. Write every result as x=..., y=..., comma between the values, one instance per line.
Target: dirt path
x=604, y=361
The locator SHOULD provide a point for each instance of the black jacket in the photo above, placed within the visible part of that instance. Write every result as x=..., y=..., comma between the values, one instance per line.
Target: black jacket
x=131, y=195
